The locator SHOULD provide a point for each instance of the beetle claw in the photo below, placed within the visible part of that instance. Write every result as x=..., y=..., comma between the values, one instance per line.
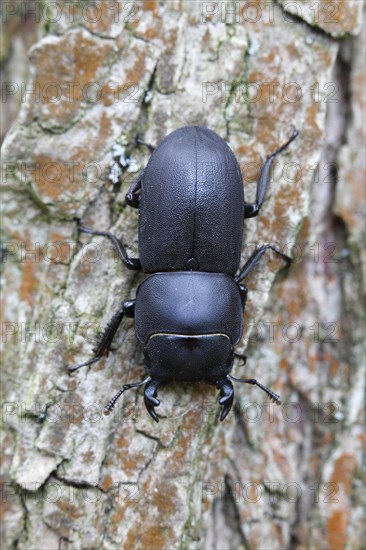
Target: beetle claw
x=150, y=393
x=226, y=396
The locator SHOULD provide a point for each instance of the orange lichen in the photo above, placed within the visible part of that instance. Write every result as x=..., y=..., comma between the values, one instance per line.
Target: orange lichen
x=336, y=529
x=269, y=57
x=58, y=249
x=343, y=471
x=63, y=82
x=284, y=364
x=313, y=359
x=71, y=511
x=311, y=119
x=293, y=51
x=160, y=500
x=88, y=457
x=104, y=127
x=150, y=537
x=343, y=16
x=137, y=71
x=117, y=517
x=106, y=483
x=52, y=177
x=29, y=280
x=150, y=5
x=334, y=367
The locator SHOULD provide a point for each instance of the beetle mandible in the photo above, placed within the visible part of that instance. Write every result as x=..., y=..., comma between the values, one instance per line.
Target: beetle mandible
x=188, y=311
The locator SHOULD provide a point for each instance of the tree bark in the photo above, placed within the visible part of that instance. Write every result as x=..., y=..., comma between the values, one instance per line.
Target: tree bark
x=268, y=477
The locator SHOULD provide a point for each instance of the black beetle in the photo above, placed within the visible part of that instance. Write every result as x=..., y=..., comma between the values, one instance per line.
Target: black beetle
x=188, y=312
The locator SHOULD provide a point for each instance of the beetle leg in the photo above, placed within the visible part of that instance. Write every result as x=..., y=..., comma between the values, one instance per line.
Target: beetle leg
x=254, y=259
x=150, y=394
x=148, y=145
x=241, y=357
x=132, y=196
x=112, y=402
x=244, y=294
x=226, y=396
x=252, y=210
x=130, y=263
x=274, y=396
x=104, y=344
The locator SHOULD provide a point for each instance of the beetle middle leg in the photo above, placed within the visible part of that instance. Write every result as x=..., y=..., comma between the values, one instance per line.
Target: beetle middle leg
x=252, y=210
x=104, y=344
x=130, y=263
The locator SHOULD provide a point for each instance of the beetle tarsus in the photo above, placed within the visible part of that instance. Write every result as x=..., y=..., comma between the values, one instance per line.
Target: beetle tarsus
x=255, y=257
x=150, y=394
x=274, y=396
x=294, y=135
x=110, y=406
x=90, y=362
x=226, y=396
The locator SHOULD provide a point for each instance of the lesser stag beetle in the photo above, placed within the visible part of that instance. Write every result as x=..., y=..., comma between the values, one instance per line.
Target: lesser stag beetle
x=188, y=312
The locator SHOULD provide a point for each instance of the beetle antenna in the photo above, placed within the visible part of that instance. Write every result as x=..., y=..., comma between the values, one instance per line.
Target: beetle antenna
x=293, y=136
x=109, y=407
x=276, y=398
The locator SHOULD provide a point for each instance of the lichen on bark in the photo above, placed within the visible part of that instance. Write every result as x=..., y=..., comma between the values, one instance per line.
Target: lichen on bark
x=75, y=479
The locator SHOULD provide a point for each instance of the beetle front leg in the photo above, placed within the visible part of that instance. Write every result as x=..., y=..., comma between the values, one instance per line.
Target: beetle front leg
x=130, y=263
x=252, y=210
x=241, y=357
x=150, y=398
x=243, y=294
x=104, y=344
x=133, y=195
x=110, y=406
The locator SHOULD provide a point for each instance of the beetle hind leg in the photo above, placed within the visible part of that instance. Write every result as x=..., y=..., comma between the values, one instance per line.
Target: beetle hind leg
x=252, y=210
x=226, y=396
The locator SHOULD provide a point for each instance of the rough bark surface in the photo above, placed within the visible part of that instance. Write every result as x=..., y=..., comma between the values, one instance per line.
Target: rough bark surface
x=285, y=477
